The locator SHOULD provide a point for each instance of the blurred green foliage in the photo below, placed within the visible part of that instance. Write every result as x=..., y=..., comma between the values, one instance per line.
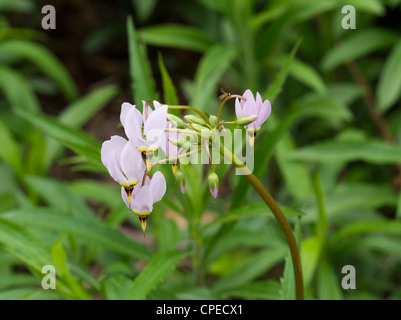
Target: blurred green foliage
x=330, y=152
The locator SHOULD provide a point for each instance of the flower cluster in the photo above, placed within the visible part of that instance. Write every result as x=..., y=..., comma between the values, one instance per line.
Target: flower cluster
x=129, y=161
x=124, y=159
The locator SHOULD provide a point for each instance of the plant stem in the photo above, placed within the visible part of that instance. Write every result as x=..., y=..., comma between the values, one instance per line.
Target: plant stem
x=194, y=110
x=268, y=199
x=231, y=96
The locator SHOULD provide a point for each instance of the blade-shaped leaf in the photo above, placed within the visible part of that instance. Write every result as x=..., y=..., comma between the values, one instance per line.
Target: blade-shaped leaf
x=374, y=151
x=389, y=86
x=90, y=231
x=358, y=45
x=141, y=77
x=44, y=60
x=157, y=269
x=176, y=36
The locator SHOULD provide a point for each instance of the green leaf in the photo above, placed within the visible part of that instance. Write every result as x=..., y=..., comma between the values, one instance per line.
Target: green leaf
x=373, y=151
x=79, y=112
x=256, y=209
x=44, y=60
x=311, y=250
x=57, y=195
x=21, y=244
x=389, y=86
x=170, y=95
x=16, y=33
x=109, y=194
x=358, y=45
x=17, y=294
x=90, y=231
x=157, y=269
x=144, y=8
x=295, y=174
x=249, y=270
x=288, y=290
x=263, y=290
x=303, y=73
x=278, y=83
x=167, y=235
x=398, y=213
x=22, y=6
x=10, y=151
x=115, y=287
x=17, y=280
x=17, y=90
x=176, y=36
x=327, y=282
x=211, y=68
x=58, y=130
x=83, y=109
x=140, y=72
x=364, y=227
x=356, y=196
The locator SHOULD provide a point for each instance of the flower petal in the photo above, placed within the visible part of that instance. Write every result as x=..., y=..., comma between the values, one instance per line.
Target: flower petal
x=133, y=123
x=125, y=108
x=156, y=120
x=265, y=111
x=143, y=201
x=110, y=159
x=157, y=186
x=131, y=163
x=238, y=108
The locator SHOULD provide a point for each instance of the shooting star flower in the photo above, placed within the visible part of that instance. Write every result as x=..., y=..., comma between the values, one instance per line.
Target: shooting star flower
x=124, y=163
x=144, y=197
x=154, y=123
x=253, y=107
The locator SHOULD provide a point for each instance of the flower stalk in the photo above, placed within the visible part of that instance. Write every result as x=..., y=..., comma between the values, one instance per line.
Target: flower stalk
x=281, y=219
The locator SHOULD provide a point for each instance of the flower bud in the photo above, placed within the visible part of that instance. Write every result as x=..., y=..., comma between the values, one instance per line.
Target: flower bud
x=199, y=128
x=213, y=120
x=213, y=180
x=176, y=121
x=180, y=180
x=178, y=142
x=246, y=120
x=195, y=119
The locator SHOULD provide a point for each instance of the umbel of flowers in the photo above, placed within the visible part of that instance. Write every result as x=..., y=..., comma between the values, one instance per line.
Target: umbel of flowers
x=129, y=161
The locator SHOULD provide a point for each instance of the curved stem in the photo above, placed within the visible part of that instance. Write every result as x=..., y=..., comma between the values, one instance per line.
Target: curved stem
x=231, y=96
x=268, y=199
x=194, y=110
x=176, y=158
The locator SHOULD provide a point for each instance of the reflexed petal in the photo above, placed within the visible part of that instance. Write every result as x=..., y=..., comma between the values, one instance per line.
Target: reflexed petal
x=131, y=163
x=259, y=102
x=125, y=108
x=133, y=124
x=157, y=104
x=238, y=108
x=264, y=113
x=143, y=200
x=119, y=144
x=248, y=95
x=109, y=160
x=156, y=120
x=157, y=186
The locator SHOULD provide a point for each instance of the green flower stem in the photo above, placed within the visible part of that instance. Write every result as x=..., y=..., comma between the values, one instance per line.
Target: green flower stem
x=257, y=185
x=231, y=96
x=221, y=123
x=194, y=110
x=183, y=155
